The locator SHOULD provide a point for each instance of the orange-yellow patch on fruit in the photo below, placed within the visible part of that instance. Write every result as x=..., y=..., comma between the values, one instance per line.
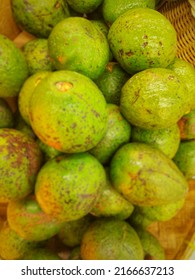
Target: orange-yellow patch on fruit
x=64, y=86
x=60, y=59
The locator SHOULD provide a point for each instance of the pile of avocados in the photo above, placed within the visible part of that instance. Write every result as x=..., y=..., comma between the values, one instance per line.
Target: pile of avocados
x=102, y=141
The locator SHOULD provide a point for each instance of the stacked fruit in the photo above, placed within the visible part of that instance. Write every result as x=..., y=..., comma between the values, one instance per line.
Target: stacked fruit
x=96, y=150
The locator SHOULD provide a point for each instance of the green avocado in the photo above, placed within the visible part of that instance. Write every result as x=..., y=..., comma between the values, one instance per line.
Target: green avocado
x=111, y=203
x=118, y=133
x=151, y=245
x=163, y=212
x=145, y=176
x=111, y=239
x=39, y=17
x=12, y=245
x=76, y=44
x=186, y=72
x=20, y=161
x=113, y=9
x=37, y=56
x=185, y=159
x=68, y=186
x=73, y=116
x=13, y=68
x=165, y=139
x=29, y=221
x=111, y=82
x=154, y=98
x=138, y=43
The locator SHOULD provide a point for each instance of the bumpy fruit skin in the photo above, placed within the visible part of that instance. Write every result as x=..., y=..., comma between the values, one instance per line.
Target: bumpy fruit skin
x=37, y=56
x=111, y=203
x=39, y=17
x=102, y=27
x=111, y=239
x=187, y=126
x=12, y=246
x=13, y=68
x=26, y=92
x=154, y=98
x=84, y=6
x=28, y=220
x=72, y=116
x=111, y=82
x=111, y=10
x=6, y=115
x=185, y=159
x=166, y=139
x=76, y=44
x=117, y=134
x=67, y=187
x=145, y=176
x=142, y=38
x=161, y=213
x=185, y=72
x=20, y=161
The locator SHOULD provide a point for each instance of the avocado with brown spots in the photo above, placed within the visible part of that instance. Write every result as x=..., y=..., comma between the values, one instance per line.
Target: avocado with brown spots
x=113, y=9
x=111, y=82
x=37, y=56
x=158, y=213
x=76, y=44
x=155, y=98
x=20, y=161
x=68, y=186
x=29, y=221
x=72, y=116
x=111, y=239
x=13, y=246
x=142, y=38
x=39, y=17
x=145, y=176
x=165, y=139
x=111, y=203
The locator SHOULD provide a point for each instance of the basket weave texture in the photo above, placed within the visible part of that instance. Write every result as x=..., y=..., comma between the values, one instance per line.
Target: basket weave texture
x=180, y=15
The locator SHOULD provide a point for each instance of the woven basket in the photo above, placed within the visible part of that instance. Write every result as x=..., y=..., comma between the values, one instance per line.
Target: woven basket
x=177, y=236
x=180, y=15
